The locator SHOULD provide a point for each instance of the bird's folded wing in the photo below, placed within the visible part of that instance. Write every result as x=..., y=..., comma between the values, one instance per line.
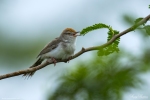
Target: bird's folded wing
x=52, y=45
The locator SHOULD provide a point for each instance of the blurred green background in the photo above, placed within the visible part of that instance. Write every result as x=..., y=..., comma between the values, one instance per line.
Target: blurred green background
x=26, y=26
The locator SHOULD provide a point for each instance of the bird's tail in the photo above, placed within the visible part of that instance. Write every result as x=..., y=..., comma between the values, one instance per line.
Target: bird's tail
x=38, y=62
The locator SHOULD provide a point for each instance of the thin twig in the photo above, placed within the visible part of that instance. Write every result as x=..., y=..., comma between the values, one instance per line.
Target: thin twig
x=83, y=50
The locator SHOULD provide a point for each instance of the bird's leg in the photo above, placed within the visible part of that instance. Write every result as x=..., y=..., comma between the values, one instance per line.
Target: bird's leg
x=52, y=59
x=69, y=58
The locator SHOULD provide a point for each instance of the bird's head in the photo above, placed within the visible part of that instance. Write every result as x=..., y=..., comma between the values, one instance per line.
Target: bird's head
x=69, y=34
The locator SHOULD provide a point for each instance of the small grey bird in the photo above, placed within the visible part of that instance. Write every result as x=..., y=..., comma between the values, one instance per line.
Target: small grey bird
x=62, y=47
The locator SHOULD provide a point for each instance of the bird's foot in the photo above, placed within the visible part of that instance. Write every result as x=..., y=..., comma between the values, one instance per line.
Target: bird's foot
x=69, y=58
x=52, y=60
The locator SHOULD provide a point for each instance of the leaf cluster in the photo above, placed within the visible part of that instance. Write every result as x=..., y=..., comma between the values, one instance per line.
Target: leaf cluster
x=109, y=49
x=144, y=26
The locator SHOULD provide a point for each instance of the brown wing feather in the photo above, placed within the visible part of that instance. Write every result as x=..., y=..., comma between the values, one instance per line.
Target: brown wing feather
x=52, y=45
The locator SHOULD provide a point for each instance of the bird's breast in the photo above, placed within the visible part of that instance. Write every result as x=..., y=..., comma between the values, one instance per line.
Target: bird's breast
x=62, y=51
x=69, y=48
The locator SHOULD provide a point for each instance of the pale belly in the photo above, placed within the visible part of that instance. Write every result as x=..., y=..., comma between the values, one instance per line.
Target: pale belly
x=60, y=52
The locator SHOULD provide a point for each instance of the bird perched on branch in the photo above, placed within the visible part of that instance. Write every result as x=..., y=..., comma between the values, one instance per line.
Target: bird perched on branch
x=62, y=47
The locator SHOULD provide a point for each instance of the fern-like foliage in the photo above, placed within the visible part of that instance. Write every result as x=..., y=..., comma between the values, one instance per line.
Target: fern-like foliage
x=109, y=49
x=144, y=26
x=138, y=20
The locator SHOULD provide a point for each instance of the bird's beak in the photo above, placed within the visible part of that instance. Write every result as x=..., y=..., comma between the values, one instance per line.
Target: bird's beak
x=75, y=34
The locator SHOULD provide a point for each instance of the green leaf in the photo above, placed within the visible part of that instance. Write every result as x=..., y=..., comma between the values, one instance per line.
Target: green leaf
x=95, y=27
x=138, y=20
x=147, y=29
x=109, y=49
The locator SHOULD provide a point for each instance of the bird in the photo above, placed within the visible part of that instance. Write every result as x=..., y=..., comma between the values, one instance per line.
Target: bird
x=62, y=47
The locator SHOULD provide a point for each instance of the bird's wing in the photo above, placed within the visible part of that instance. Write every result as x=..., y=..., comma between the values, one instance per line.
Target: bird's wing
x=52, y=45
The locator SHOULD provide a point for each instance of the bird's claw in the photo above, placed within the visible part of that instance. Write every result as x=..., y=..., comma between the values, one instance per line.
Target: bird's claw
x=52, y=60
x=69, y=58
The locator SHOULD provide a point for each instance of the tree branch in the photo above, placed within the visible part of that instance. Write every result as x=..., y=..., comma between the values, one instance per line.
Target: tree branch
x=144, y=20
